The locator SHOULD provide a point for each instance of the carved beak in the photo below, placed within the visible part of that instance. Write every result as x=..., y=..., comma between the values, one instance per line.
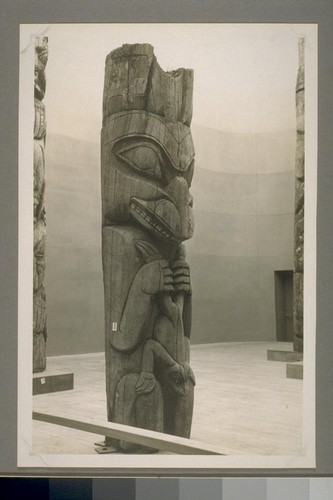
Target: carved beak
x=168, y=220
x=158, y=216
x=178, y=191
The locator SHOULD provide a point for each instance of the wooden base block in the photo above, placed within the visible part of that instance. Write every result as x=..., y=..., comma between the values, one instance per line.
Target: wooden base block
x=52, y=383
x=295, y=371
x=286, y=356
x=104, y=450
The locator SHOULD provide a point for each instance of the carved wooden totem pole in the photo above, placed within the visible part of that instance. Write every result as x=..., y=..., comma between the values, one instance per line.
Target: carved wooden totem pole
x=39, y=299
x=299, y=205
x=147, y=168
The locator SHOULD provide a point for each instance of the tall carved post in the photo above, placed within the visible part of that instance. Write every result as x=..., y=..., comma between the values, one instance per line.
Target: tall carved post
x=39, y=299
x=299, y=205
x=147, y=168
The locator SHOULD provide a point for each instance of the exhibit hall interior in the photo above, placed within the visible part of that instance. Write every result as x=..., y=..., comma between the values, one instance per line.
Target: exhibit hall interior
x=168, y=248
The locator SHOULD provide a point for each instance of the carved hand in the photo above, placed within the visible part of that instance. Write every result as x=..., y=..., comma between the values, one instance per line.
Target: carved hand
x=181, y=276
x=156, y=277
x=146, y=383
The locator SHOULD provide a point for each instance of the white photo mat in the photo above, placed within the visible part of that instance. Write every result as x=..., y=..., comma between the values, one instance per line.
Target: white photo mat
x=165, y=38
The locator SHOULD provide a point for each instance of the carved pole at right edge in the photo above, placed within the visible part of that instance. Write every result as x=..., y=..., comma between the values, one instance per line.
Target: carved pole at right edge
x=299, y=205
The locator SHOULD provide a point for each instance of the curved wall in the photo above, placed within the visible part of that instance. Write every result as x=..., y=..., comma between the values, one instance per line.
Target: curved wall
x=244, y=232
x=243, y=191
x=74, y=277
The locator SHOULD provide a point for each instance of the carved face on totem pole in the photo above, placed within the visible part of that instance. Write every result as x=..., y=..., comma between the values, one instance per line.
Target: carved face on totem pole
x=149, y=145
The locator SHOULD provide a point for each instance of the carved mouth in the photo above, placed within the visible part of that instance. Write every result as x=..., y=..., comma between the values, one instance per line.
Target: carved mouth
x=147, y=217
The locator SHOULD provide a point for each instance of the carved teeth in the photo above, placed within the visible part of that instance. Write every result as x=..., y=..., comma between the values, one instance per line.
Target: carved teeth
x=147, y=218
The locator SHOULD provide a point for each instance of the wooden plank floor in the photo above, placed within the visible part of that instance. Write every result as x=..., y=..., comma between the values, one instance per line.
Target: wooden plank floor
x=244, y=404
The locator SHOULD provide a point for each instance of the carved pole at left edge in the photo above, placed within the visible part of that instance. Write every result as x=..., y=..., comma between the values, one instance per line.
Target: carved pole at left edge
x=39, y=296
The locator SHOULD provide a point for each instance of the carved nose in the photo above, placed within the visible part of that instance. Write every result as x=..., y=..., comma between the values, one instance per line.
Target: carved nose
x=178, y=191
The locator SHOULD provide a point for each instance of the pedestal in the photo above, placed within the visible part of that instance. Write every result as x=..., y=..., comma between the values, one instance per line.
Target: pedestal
x=286, y=356
x=48, y=381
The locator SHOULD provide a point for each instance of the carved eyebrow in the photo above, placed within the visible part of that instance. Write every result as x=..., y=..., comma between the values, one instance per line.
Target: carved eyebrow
x=139, y=142
x=174, y=138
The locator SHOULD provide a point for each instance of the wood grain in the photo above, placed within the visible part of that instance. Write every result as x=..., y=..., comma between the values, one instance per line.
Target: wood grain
x=146, y=169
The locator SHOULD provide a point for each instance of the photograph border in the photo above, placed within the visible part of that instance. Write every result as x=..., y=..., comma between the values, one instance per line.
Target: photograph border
x=247, y=460
x=8, y=291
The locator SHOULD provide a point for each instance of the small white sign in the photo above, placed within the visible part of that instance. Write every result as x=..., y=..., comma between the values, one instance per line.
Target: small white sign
x=42, y=380
x=114, y=327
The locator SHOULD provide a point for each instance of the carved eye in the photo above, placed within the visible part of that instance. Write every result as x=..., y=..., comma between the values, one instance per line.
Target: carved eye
x=177, y=379
x=143, y=157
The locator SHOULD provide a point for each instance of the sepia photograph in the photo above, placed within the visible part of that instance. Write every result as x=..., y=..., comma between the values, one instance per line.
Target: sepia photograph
x=167, y=246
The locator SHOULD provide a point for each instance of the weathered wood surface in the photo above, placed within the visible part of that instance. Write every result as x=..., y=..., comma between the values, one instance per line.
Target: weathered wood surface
x=128, y=434
x=299, y=205
x=39, y=296
x=147, y=168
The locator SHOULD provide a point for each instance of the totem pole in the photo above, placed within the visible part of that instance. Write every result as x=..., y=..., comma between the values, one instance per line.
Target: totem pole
x=299, y=205
x=39, y=299
x=147, y=159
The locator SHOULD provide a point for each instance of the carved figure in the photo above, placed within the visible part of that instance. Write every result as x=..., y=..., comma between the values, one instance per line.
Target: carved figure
x=299, y=206
x=147, y=168
x=39, y=296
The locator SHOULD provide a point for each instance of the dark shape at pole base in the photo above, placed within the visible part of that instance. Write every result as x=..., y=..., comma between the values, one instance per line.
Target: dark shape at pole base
x=298, y=344
x=295, y=371
x=39, y=353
